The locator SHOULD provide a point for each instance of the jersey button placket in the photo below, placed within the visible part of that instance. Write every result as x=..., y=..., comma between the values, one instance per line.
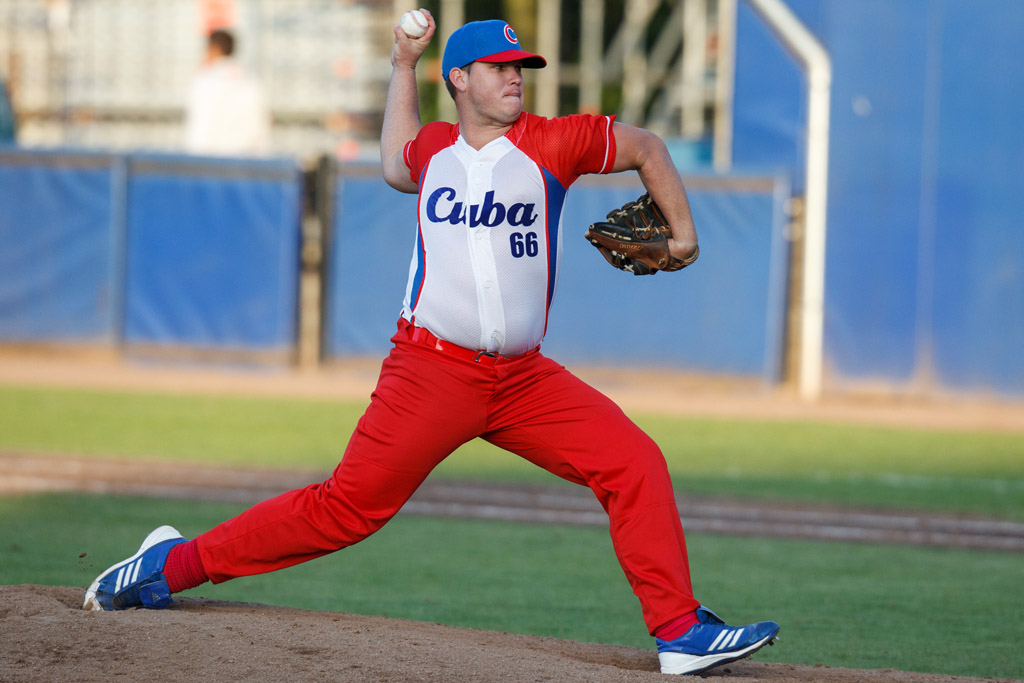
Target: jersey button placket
x=492, y=314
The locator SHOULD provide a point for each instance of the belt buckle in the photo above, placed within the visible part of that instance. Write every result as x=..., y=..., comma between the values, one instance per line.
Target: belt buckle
x=489, y=354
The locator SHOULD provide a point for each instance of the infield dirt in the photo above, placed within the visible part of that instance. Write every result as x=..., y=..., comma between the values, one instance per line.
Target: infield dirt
x=45, y=636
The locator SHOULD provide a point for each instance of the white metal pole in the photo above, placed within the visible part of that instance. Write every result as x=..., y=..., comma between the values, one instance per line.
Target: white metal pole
x=634, y=62
x=693, y=64
x=452, y=17
x=725, y=77
x=816, y=199
x=591, y=48
x=549, y=31
x=796, y=36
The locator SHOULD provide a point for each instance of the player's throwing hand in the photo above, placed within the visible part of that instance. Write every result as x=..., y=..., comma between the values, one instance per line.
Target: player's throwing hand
x=408, y=49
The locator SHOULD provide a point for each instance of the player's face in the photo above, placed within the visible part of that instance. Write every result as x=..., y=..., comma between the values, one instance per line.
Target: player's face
x=496, y=90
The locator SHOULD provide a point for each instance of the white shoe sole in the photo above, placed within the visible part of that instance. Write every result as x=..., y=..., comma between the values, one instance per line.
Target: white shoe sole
x=680, y=663
x=158, y=535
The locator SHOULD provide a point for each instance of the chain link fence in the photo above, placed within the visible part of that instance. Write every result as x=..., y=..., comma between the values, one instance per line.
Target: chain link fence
x=114, y=73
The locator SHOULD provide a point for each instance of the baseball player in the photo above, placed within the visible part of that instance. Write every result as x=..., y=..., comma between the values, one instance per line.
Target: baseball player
x=465, y=360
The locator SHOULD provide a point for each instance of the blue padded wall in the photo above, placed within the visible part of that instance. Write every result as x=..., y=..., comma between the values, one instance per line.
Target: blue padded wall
x=924, y=267
x=212, y=255
x=60, y=234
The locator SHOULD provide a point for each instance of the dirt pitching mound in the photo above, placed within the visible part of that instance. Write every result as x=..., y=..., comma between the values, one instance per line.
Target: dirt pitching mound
x=46, y=636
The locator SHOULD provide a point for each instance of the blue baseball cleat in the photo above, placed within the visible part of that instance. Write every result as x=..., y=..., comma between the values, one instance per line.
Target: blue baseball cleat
x=139, y=580
x=713, y=642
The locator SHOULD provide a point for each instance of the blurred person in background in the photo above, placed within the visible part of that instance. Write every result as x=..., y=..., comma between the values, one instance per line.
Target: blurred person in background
x=8, y=123
x=226, y=112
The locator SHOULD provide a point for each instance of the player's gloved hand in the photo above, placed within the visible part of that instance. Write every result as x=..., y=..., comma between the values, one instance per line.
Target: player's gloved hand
x=636, y=238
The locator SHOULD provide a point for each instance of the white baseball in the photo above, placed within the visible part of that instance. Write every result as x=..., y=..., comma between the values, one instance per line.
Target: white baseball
x=414, y=23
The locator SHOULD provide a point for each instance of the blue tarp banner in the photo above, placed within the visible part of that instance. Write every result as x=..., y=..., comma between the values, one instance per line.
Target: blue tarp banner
x=724, y=314
x=59, y=245
x=925, y=259
x=212, y=257
x=973, y=171
x=152, y=251
x=367, y=265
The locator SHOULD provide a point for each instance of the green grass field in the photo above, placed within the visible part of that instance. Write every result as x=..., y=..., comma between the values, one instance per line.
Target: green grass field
x=970, y=472
x=864, y=606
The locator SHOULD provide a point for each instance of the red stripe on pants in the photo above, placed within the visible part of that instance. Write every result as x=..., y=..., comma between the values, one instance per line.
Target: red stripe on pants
x=426, y=405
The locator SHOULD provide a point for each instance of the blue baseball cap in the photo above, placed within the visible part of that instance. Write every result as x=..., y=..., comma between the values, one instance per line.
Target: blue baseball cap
x=491, y=41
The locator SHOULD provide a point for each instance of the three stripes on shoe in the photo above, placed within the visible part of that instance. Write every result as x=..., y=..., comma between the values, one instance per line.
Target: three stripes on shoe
x=726, y=639
x=129, y=570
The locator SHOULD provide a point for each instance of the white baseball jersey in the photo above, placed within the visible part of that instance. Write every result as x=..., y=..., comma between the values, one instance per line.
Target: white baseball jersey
x=486, y=260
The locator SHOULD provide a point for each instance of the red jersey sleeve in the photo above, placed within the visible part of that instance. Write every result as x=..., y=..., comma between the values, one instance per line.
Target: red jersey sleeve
x=570, y=146
x=431, y=139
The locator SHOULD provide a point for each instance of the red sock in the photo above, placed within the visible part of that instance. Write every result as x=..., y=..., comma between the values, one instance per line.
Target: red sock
x=184, y=568
x=677, y=626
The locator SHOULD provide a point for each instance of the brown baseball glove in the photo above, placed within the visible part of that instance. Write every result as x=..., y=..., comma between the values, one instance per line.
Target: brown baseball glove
x=635, y=238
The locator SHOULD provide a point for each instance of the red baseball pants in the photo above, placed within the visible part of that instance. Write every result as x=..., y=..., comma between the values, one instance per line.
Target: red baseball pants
x=428, y=403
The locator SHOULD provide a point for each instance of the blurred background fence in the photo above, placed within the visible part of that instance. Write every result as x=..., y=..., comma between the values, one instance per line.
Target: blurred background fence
x=114, y=73
x=150, y=253
x=110, y=236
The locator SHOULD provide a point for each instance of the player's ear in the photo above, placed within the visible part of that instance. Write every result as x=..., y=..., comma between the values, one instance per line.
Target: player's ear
x=457, y=77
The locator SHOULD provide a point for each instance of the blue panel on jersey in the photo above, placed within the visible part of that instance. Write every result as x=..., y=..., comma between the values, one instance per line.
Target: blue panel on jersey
x=555, y=201
x=421, y=269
